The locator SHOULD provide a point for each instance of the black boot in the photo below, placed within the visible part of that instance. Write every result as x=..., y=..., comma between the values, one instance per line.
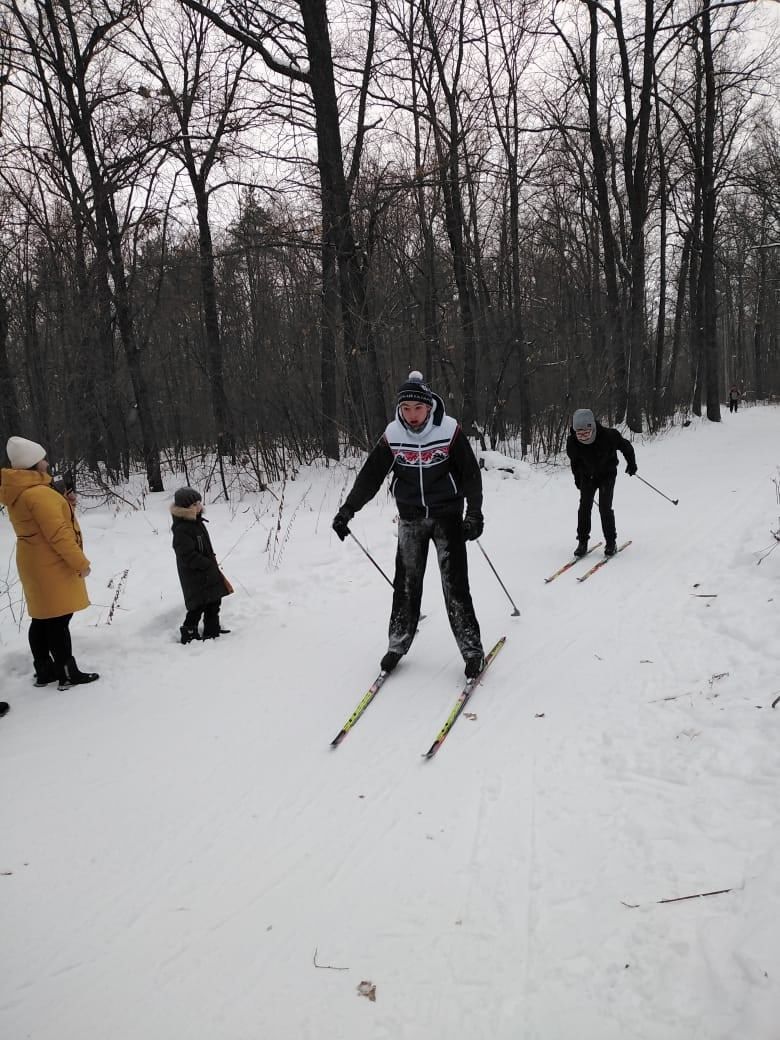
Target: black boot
x=474, y=666
x=211, y=628
x=582, y=547
x=188, y=633
x=76, y=677
x=4, y=708
x=610, y=548
x=45, y=671
x=389, y=661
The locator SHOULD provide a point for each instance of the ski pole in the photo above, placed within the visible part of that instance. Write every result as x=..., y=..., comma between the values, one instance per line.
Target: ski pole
x=368, y=554
x=515, y=612
x=674, y=501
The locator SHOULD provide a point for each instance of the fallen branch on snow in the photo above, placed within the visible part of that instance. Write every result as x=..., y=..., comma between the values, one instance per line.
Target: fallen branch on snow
x=329, y=967
x=681, y=899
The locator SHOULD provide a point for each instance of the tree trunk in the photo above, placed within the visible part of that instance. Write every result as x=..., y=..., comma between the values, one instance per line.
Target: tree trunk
x=336, y=211
x=709, y=205
x=124, y=319
x=219, y=402
x=617, y=375
x=328, y=324
x=679, y=309
x=9, y=404
x=759, y=347
x=658, y=396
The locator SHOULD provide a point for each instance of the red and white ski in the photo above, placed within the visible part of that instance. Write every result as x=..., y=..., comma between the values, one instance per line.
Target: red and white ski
x=562, y=570
x=601, y=563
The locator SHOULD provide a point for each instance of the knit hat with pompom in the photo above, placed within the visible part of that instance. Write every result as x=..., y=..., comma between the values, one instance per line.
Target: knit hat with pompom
x=415, y=389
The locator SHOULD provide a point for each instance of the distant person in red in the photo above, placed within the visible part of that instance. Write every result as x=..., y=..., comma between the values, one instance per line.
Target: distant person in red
x=734, y=395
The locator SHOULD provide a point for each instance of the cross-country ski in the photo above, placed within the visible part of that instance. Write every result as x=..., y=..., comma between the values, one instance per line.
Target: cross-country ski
x=602, y=562
x=571, y=563
x=460, y=703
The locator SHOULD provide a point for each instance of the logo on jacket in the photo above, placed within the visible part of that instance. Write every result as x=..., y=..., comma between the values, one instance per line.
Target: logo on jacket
x=421, y=457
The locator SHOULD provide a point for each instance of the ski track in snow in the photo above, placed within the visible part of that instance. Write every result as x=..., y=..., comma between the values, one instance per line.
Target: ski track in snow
x=180, y=838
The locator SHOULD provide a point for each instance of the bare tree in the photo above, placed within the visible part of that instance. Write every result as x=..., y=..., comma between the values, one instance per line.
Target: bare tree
x=202, y=83
x=294, y=41
x=68, y=63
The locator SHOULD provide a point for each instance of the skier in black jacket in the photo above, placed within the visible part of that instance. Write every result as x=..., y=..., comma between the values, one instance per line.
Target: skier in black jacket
x=433, y=471
x=202, y=582
x=592, y=450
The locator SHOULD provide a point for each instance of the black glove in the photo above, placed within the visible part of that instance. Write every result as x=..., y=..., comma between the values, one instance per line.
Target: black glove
x=631, y=468
x=473, y=526
x=341, y=522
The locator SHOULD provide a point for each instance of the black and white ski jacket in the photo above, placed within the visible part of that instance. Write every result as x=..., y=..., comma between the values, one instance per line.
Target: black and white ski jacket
x=433, y=471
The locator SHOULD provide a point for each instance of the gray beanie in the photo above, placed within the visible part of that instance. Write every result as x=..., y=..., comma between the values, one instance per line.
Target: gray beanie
x=186, y=497
x=583, y=418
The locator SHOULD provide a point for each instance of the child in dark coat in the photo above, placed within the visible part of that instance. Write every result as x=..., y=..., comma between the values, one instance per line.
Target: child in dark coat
x=202, y=582
x=592, y=450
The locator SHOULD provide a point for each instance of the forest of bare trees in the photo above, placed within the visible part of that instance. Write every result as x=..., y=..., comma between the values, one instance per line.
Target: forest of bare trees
x=233, y=227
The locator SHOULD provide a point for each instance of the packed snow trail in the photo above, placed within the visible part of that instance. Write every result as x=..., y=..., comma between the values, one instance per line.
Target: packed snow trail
x=179, y=839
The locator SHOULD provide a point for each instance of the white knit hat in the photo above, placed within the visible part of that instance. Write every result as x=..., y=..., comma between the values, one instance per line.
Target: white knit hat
x=24, y=454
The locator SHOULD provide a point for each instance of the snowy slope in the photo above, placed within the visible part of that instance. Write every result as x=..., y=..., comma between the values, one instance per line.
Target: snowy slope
x=178, y=840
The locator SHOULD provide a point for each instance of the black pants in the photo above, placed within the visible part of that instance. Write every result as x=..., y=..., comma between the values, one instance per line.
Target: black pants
x=606, y=489
x=733, y=405
x=51, y=636
x=210, y=614
x=414, y=536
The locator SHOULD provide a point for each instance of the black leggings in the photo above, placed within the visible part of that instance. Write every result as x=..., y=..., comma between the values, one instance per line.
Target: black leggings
x=51, y=636
x=605, y=488
x=209, y=612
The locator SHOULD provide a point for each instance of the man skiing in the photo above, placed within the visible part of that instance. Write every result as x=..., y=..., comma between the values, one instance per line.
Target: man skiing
x=433, y=471
x=592, y=450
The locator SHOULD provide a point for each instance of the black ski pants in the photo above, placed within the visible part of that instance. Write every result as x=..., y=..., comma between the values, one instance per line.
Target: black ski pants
x=414, y=537
x=733, y=406
x=51, y=636
x=606, y=489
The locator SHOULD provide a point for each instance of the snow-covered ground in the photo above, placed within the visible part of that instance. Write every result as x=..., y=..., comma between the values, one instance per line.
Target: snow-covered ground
x=182, y=855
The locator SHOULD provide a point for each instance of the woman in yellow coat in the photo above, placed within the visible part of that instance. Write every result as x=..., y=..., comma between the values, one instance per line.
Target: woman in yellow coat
x=50, y=560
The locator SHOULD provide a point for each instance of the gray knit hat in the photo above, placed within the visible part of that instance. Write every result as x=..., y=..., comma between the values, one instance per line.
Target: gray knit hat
x=584, y=419
x=186, y=497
